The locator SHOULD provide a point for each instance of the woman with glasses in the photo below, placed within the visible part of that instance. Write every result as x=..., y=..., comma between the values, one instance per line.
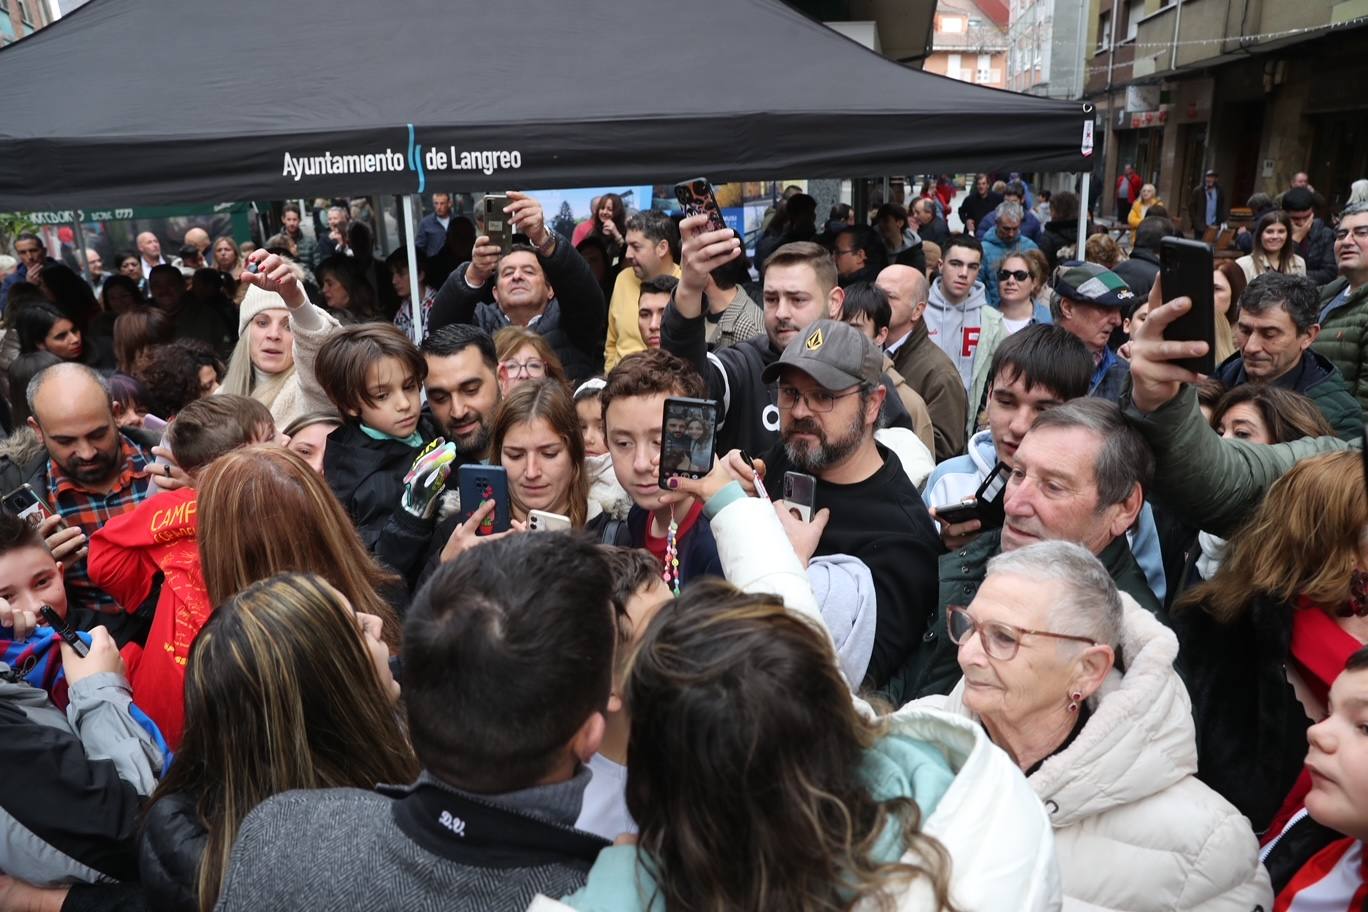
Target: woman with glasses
x=1076, y=683
x=1273, y=250
x=525, y=355
x=1017, y=287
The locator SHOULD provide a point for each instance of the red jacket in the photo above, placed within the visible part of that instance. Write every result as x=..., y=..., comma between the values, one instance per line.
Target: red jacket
x=125, y=556
x=1135, y=184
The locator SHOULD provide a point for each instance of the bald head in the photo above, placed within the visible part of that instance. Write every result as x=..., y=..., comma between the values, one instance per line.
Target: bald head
x=907, y=294
x=73, y=417
x=149, y=246
x=199, y=238
x=55, y=387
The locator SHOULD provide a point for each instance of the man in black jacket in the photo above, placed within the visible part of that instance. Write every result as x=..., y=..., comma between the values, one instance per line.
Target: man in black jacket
x=1313, y=239
x=978, y=204
x=800, y=287
x=544, y=285
x=830, y=381
x=507, y=677
x=1140, y=270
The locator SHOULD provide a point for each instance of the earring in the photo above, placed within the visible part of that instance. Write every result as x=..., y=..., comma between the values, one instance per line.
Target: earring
x=1074, y=699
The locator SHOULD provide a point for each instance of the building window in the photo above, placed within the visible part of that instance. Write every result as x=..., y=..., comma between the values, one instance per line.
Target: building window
x=953, y=25
x=1104, y=31
x=24, y=15
x=975, y=23
x=952, y=67
x=1135, y=11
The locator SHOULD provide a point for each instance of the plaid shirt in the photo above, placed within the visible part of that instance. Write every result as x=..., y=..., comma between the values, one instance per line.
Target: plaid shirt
x=91, y=510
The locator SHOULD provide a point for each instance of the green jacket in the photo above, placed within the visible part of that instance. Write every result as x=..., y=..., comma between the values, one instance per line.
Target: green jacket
x=1344, y=337
x=933, y=667
x=1210, y=483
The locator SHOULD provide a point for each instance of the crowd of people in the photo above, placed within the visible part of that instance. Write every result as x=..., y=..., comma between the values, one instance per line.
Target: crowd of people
x=949, y=588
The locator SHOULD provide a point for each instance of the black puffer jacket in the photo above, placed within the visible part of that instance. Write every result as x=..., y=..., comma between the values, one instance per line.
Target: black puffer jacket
x=367, y=475
x=1251, y=728
x=169, y=852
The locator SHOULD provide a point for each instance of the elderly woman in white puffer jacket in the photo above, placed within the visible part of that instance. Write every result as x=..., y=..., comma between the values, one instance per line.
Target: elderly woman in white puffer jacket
x=1076, y=682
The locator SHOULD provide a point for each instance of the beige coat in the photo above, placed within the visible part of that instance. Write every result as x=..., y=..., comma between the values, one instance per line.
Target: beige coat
x=1134, y=828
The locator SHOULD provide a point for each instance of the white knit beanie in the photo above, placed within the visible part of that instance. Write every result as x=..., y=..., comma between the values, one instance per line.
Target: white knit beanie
x=254, y=302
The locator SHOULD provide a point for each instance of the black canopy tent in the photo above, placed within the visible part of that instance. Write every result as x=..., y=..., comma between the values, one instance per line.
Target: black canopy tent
x=154, y=101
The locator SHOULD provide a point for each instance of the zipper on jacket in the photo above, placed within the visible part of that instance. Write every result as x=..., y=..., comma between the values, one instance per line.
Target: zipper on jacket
x=1268, y=849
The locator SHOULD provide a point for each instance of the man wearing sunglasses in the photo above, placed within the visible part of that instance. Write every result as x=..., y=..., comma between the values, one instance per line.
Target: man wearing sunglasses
x=1344, y=304
x=1078, y=475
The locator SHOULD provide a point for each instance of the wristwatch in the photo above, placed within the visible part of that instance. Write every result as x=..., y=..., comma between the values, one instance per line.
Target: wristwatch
x=546, y=246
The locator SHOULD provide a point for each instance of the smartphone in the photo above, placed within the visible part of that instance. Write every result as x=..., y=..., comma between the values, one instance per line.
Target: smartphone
x=800, y=491
x=1185, y=269
x=542, y=521
x=687, y=430
x=24, y=502
x=64, y=630
x=961, y=512
x=478, y=483
x=990, y=496
x=697, y=198
x=152, y=423
x=496, y=222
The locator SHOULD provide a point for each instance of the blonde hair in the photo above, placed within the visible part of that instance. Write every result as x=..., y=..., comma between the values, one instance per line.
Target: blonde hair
x=241, y=377
x=280, y=694
x=263, y=511
x=1304, y=540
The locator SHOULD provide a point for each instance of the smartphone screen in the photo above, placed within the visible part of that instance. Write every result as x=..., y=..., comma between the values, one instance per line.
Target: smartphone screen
x=688, y=427
x=1185, y=269
x=697, y=197
x=27, y=505
x=496, y=224
x=479, y=483
x=800, y=490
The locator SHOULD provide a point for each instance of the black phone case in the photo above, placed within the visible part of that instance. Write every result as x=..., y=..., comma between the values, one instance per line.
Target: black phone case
x=479, y=483
x=1185, y=269
x=497, y=227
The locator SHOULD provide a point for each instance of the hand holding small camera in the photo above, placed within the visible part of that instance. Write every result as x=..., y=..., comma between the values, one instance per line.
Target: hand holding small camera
x=103, y=656
x=274, y=273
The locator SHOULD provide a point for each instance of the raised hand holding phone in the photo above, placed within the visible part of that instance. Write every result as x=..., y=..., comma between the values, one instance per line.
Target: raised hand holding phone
x=271, y=272
x=701, y=251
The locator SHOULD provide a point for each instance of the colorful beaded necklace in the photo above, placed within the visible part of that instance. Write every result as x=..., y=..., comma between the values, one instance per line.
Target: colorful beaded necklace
x=671, y=574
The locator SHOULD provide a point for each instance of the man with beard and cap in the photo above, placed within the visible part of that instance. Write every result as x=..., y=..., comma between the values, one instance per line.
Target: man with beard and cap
x=800, y=287
x=830, y=392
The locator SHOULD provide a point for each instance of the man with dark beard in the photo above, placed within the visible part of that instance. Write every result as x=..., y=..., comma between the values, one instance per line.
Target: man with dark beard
x=830, y=396
x=86, y=473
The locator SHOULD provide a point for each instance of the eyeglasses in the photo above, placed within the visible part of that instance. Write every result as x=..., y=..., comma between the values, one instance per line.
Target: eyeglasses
x=532, y=367
x=960, y=264
x=1000, y=641
x=1360, y=233
x=1020, y=275
x=816, y=401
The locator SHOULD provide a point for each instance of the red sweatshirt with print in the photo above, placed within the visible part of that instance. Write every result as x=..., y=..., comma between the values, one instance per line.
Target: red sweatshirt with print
x=159, y=535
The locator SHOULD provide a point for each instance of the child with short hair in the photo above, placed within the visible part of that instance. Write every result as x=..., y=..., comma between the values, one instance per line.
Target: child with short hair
x=374, y=377
x=638, y=592
x=160, y=536
x=604, y=489
x=670, y=527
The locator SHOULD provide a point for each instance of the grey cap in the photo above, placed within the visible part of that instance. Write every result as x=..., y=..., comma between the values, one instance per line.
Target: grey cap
x=835, y=354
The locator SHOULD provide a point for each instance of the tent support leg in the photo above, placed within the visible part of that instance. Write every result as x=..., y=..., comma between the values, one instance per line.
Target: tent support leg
x=1083, y=215
x=415, y=291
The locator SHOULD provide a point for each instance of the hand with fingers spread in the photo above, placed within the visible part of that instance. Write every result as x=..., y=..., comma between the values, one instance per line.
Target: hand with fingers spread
x=467, y=534
x=701, y=251
x=1155, y=379
x=67, y=543
x=274, y=273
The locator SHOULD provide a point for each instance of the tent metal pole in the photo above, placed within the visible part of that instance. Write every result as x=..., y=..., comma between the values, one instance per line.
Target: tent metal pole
x=415, y=295
x=1083, y=215
x=80, y=245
